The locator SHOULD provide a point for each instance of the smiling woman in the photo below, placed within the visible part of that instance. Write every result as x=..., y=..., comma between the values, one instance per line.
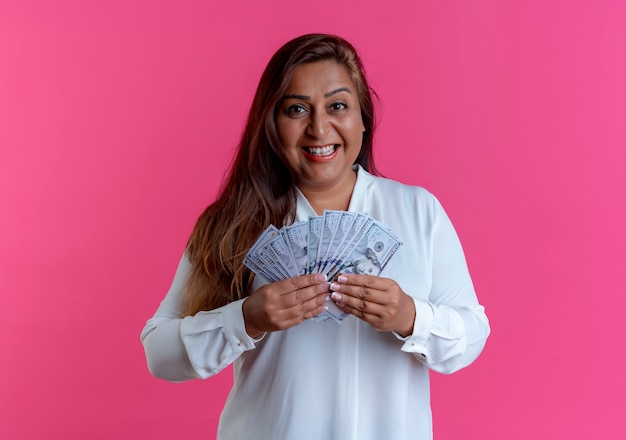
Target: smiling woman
x=306, y=148
x=320, y=127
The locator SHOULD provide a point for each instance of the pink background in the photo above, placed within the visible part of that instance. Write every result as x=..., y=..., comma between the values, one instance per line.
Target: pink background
x=118, y=117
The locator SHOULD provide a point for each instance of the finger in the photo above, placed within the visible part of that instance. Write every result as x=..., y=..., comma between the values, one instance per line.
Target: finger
x=357, y=306
x=278, y=316
x=363, y=311
x=306, y=297
x=371, y=313
x=291, y=292
x=300, y=282
x=360, y=293
x=370, y=281
x=297, y=314
x=306, y=301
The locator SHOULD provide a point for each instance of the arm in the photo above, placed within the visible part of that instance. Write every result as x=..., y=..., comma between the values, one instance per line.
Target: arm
x=199, y=346
x=202, y=345
x=451, y=328
x=447, y=331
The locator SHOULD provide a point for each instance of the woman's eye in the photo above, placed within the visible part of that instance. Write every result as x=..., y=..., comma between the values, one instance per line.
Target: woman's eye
x=338, y=106
x=295, y=109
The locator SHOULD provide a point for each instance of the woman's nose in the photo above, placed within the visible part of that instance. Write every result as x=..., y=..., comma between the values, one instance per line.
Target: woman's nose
x=319, y=125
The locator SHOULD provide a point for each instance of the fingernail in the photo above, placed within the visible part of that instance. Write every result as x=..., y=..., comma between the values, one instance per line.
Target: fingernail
x=335, y=286
x=322, y=310
x=336, y=296
x=320, y=278
x=327, y=298
x=342, y=279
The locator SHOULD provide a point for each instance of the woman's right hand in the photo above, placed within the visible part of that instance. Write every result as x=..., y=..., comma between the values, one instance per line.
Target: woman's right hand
x=284, y=304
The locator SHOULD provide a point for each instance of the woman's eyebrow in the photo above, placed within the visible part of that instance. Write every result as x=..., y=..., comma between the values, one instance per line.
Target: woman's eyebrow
x=326, y=95
x=340, y=89
x=302, y=97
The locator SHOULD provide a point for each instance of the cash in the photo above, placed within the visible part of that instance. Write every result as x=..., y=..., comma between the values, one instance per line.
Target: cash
x=334, y=243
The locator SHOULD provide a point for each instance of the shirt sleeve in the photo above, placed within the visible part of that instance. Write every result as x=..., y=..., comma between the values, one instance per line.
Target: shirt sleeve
x=451, y=327
x=199, y=346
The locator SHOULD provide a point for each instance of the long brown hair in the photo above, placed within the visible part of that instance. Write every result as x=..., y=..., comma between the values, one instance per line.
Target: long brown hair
x=259, y=189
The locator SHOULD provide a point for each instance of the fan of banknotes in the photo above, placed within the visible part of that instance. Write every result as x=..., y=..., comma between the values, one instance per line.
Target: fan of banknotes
x=338, y=242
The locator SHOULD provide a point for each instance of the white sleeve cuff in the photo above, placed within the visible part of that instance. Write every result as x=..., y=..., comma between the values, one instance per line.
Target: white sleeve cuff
x=215, y=338
x=416, y=342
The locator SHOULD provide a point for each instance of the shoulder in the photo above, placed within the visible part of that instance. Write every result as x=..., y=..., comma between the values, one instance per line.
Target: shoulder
x=398, y=190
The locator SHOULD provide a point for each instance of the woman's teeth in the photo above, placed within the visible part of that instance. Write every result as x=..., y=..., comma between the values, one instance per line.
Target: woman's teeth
x=321, y=151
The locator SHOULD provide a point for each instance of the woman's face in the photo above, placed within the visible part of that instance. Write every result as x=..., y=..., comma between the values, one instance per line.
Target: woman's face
x=320, y=126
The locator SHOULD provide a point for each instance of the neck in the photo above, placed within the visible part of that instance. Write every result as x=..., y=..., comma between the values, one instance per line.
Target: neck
x=335, y=198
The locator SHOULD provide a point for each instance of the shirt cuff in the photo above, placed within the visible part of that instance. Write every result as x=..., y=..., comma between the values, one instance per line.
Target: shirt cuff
x=235, y=327
x=227, y=320
x=417, y=341
x=214, y=339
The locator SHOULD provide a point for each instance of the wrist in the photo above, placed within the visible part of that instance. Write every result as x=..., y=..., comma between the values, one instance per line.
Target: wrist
x=408, y=323
x=251, y=329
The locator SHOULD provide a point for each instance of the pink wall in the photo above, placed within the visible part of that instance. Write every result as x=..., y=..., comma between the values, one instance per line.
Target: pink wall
x=118, y=117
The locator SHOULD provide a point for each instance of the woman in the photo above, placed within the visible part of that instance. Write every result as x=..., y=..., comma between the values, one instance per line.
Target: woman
x=307, y=147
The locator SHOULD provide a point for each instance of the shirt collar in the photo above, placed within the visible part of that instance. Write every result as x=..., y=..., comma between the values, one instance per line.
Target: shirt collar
x=304, y=209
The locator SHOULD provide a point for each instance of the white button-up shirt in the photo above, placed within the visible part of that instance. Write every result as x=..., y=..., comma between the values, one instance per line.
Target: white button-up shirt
x=323, y=380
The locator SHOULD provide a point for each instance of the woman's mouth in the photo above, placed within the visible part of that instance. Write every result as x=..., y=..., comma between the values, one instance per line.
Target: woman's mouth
x=325, y=151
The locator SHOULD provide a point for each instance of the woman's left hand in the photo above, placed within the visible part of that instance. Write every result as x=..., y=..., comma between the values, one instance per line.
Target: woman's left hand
x=378, y=301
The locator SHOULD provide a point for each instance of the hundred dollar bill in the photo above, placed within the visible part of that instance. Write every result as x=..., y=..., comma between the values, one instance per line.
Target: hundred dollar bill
x=334, y=312
x=269, y=256
x=357, y=230
x=252, y=260
x=335, y=243
x=266, y=236
x=258, y=267
x=297, y=241
x=330, y=222
x=338, y=242
x=372, y=253
x=283, y=234
x=283, y=256
x=314, y=230
x=265, y=256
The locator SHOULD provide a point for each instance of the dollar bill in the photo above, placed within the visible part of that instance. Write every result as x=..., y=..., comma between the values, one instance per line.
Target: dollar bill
x=253, y=260
x=296, y=237
x=267, y=272
x=330, y=223
x=357, y=230
x=314, y=230
x=260, y=268
x=372, y=252
x=335, y=243
x=280, y=251
x=339, y=241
